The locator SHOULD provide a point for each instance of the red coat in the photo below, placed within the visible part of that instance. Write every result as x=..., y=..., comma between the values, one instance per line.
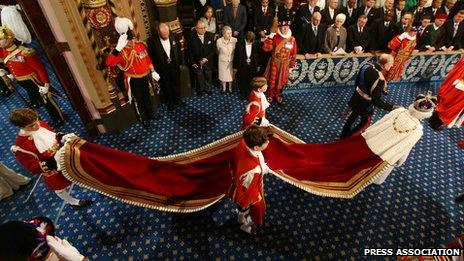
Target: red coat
x=134, y=61
x=246, y=163
x=283, y=58
x=24, y=64
x=451, y=99
x=254, y=110
x=30, y=162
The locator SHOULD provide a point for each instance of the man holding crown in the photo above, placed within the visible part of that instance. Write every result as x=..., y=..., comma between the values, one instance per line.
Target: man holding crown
x=131, y=56
x=29, y=72
x=283, y=48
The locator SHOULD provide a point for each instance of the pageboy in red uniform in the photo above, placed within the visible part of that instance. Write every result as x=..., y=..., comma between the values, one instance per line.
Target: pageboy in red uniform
x=255, y=111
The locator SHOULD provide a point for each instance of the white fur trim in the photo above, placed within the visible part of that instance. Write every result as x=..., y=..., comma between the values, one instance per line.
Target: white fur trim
x=419, y=114
x=388, y=143
x=285, y=36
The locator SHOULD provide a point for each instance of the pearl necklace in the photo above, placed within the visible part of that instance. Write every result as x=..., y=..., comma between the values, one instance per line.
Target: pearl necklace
x=397, y=129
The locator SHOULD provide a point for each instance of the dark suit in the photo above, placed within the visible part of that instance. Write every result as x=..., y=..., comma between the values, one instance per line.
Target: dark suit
x=303, y=16
x=427, y=39
x=246, y=70
x=310, y=43
x=350, y=20
x=360, y=107
x=397, y=18
x=326, y=16
x=399, y=29
x=418, y=14
x=355, y=38
x=168, y=67
x=429, y=11
x=284, y=14
x=382, y=34
x=371, y=16
x=239, y=22
x=263, y=22
x=198, y=50
x=381, y=12
x=457, y=40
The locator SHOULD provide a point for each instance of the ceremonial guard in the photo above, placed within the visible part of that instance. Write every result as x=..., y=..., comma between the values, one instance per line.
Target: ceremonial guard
x=283, y=48
x=131, y=56
x=249, y=170
x=35, y=147
x=255, y=111
x=370, y=84
x=402, y=47
x=26, y=67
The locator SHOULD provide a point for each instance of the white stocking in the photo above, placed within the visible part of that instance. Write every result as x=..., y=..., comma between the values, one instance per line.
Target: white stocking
x=64, y=195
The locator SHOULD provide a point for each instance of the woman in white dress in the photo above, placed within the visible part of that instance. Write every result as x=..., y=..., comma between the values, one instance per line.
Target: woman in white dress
x=225, y=47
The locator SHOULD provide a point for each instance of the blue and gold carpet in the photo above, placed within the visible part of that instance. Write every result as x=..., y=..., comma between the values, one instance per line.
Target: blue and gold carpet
x=413, y=208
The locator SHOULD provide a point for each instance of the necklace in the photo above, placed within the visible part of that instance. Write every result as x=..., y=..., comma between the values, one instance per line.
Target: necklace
x=395, y=127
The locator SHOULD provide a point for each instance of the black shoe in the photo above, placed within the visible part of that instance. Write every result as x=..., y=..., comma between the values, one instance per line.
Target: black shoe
x=157, y=117
x=459, y=199
x=145, y=124
x=181, y=103
x=209, y=92
x=171, y=107
x=200, y=93
x=82, y=203
x=254, y=230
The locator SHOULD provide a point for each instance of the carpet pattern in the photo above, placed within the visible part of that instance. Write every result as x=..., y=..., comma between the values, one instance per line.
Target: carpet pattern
x=413, y=208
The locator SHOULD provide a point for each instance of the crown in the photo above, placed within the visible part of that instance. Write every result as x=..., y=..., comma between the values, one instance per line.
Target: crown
x=425, y=103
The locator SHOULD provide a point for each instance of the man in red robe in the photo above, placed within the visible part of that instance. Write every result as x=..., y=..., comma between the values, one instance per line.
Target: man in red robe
x=284, y=50
x=255, y=111
x=249, y=170
x=35, y=147
x=450, y=108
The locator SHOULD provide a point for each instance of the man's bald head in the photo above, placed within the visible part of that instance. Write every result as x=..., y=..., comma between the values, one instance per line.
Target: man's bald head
x=163, y=30
x=386, y=61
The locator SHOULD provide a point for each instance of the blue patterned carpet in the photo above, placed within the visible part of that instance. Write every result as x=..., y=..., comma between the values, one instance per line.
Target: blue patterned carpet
x=413, y=208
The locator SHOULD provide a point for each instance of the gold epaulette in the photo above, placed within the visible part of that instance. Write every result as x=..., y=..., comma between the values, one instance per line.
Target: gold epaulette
x=28, y=52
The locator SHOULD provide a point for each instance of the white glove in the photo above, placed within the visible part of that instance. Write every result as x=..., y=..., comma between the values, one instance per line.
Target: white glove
x=155, y=76
x=11, y=76
x=63, y=249
x=67, y=137
x=122, y=42
x=44, y=89
x=3, y=72
x=271, y=35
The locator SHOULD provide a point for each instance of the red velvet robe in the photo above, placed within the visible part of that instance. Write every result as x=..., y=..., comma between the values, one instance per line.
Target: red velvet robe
x=253, y=196
x=283, y=58
x=451, y=99
x=31, y=163
x=254, y=110
x=401, y=51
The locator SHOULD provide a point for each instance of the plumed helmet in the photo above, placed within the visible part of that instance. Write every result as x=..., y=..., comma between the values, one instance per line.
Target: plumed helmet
x=123, y=24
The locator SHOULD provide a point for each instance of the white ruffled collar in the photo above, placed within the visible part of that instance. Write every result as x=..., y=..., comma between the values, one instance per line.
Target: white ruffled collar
x=285, y=36
x=407, y=36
